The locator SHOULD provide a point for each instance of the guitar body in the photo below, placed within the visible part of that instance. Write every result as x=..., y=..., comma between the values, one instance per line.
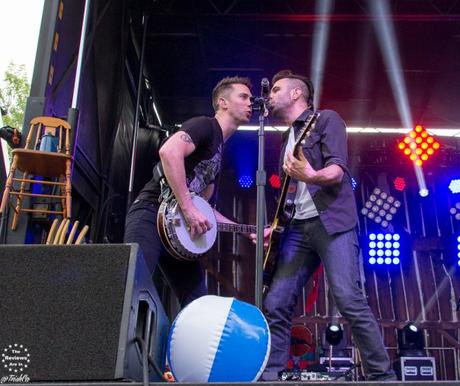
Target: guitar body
x=283, y=215
x=174, y=233
x=271, y=256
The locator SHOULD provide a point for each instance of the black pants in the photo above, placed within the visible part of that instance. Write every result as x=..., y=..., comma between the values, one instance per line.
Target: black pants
x=186, y=277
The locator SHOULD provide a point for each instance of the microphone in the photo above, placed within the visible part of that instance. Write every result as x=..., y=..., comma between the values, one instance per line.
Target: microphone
x=264, y=88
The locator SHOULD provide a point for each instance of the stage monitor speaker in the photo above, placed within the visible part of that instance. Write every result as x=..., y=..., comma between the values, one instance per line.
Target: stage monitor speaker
x=74, y=312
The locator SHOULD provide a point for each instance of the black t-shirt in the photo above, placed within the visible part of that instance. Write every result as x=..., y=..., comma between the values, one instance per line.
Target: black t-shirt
x=201, y=166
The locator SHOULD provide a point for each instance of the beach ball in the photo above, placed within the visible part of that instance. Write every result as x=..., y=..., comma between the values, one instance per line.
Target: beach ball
x=218, y=339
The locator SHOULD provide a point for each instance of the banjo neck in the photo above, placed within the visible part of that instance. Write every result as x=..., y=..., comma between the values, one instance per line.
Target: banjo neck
x=236, y=228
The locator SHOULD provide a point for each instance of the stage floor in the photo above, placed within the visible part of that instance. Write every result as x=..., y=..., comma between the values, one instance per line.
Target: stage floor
x=290, y=383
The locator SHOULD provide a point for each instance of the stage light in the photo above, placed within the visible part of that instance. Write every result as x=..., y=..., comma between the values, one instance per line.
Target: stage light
x=458, y=249
x=245, y=181
x=275, y=181
x=445, y=132
x=455, y=211
x=411, y=341
x=380, y=207
x=334, y=334
x=454, y=186
x=386, y=247
x=354, y=183
x=387, y=41
x=320, y=42
x=399, y=183
x=423, y=192
x=418, y=145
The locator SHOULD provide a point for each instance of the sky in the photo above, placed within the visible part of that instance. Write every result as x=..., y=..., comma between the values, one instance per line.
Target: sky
x=20, y=21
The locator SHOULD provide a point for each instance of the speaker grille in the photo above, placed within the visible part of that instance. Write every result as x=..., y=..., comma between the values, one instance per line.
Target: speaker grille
x=63, y=304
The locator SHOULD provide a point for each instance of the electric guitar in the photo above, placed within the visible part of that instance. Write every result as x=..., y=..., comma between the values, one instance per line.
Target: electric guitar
x=175, y=235
x=284, y=213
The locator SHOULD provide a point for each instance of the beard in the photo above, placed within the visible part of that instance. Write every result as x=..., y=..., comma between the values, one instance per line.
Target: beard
x=275, y=111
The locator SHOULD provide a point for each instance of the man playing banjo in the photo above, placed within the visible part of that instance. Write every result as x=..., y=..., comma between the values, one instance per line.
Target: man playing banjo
x=190, y=162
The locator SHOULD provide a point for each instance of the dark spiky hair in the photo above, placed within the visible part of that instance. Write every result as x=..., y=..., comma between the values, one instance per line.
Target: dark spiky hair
x=292, y=75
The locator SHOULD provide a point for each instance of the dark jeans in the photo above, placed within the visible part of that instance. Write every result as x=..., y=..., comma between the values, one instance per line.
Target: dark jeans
x=304, y=245
x=186, y=277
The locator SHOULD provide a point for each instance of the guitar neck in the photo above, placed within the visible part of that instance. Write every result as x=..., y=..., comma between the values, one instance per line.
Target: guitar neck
x=287, y=180
x=236, y=228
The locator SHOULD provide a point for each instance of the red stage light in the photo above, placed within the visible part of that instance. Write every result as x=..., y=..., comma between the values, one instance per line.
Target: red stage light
x=275, y=181
x=418, y=145
x=399, y=183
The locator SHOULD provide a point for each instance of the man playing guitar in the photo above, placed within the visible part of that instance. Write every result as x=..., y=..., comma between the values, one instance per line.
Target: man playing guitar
x=322, y=229
x=190, y=162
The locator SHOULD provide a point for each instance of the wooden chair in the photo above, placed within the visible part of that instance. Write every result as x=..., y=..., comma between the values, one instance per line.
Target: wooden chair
x=46, y=154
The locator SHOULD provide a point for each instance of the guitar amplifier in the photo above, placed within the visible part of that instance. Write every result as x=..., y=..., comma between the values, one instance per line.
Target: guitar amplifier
x=415, y=369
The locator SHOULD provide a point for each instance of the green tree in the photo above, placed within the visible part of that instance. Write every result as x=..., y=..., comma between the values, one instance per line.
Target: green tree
x=14, y=91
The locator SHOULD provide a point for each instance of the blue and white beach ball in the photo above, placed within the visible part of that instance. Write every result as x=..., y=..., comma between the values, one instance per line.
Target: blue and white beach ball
x=217, y=339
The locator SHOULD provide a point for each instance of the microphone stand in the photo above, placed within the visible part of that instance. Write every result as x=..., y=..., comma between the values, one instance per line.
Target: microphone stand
x=259, y=104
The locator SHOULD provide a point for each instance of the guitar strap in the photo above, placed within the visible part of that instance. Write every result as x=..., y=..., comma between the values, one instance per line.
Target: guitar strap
x=289, y=206
x=165, y=190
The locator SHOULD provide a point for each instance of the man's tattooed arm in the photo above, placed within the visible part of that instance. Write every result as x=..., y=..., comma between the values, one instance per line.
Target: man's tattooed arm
x=186, y=138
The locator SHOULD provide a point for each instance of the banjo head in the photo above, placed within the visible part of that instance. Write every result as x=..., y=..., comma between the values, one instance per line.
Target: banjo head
x=181, y=240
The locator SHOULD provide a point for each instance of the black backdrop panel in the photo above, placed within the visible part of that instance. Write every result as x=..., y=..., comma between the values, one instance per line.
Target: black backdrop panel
x=70, y=312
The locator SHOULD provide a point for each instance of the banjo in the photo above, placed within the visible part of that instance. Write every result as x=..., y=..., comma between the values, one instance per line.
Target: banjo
x=175, y=236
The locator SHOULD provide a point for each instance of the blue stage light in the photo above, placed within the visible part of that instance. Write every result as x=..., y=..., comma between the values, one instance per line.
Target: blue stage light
x=245, y=181
x=354, y=183
x=384, y=249
x=458, y=247
x=454, y=186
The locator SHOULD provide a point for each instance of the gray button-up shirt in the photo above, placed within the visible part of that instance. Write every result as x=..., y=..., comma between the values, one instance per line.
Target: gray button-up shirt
x=327, y=145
